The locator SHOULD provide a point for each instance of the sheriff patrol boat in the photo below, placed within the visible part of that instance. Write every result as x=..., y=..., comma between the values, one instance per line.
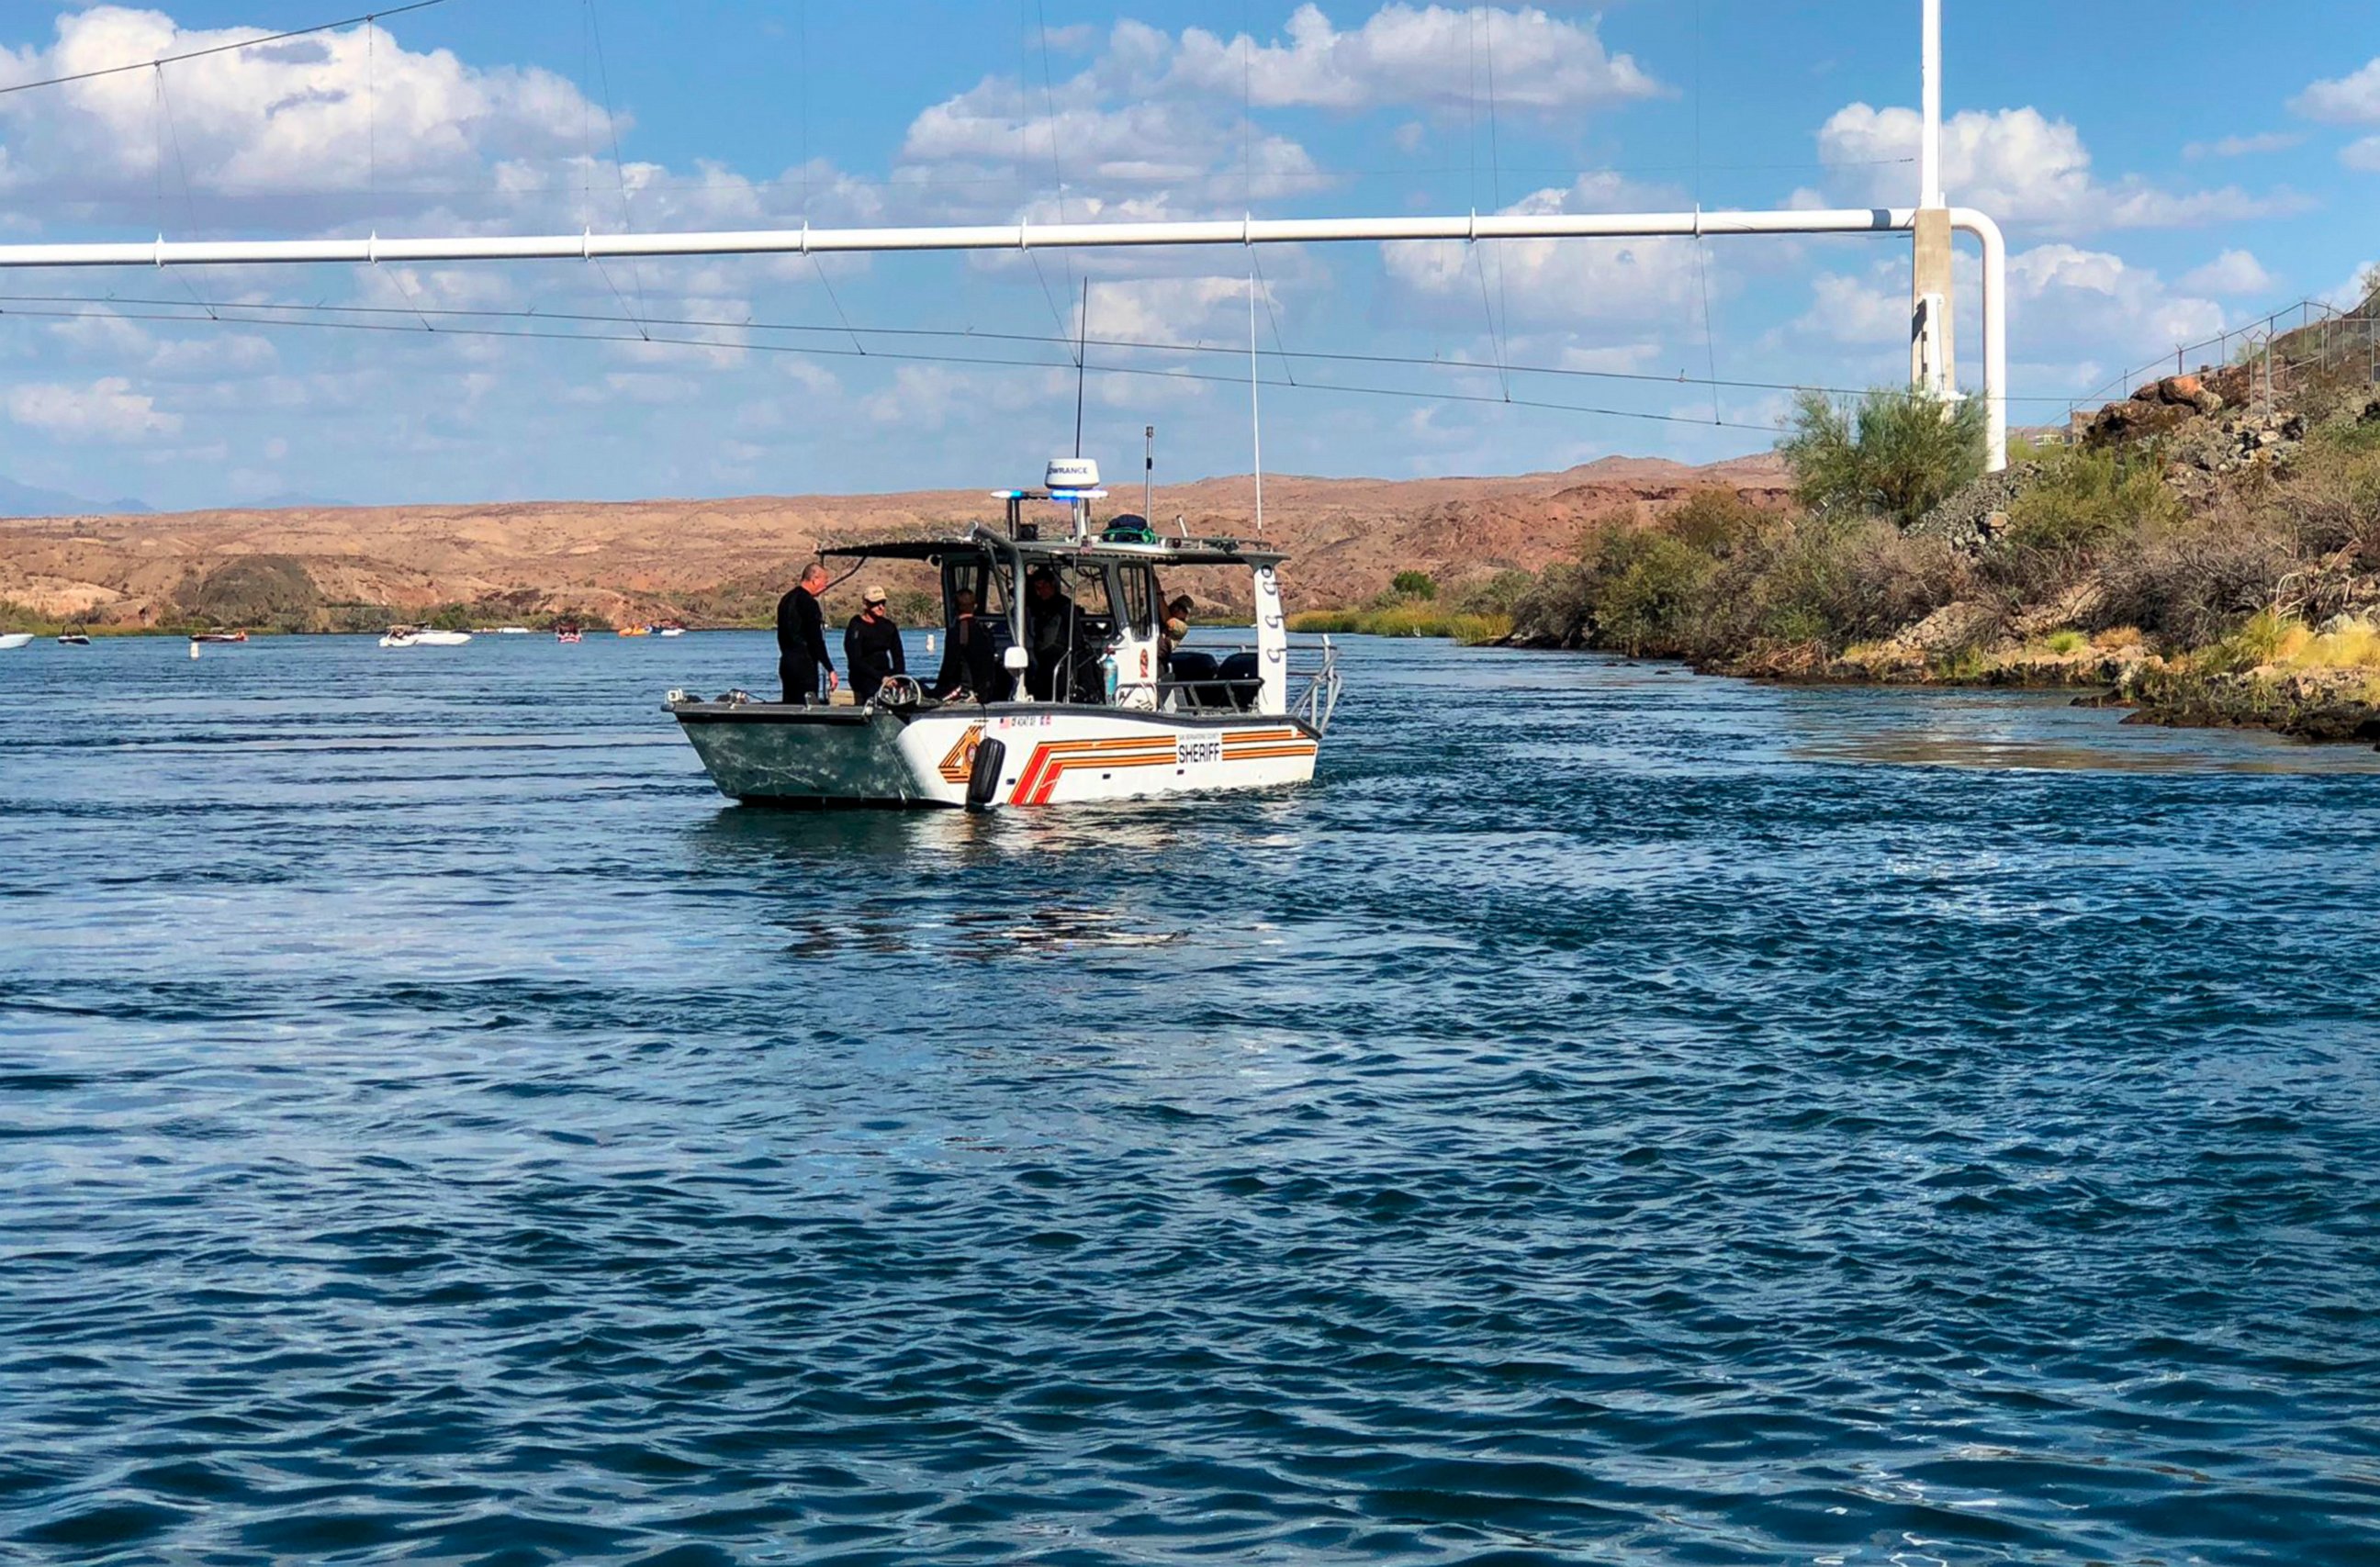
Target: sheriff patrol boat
x=1068, y=698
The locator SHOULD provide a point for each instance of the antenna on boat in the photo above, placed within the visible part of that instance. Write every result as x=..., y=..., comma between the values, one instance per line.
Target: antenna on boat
x=1082, y=343
x=1256, y=413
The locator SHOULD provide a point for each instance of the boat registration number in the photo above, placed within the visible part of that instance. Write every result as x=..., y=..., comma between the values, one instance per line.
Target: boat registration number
x=1186, y=752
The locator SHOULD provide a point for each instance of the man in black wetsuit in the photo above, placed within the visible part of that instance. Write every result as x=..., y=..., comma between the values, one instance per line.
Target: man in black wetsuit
x=801, y=638
x=871, y=648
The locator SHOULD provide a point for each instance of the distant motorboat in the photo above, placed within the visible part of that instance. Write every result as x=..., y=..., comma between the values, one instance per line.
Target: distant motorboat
x=14, y=639
x=567, y=634
x=73, y=640
x=669, y=630
x=636, y=631
x=219, y=636
x=512, y=630
x=422, y=636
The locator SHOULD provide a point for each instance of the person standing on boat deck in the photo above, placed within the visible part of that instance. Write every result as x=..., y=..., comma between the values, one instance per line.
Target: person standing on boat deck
x=801, y=638
x=1049, y=632
x=967, y=663
x=871, y=648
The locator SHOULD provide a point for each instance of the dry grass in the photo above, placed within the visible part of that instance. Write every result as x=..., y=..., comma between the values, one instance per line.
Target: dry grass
x=1408, y=619
x=2350, y=644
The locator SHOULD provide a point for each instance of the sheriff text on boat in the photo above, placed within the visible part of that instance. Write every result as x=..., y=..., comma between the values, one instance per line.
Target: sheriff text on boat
x=1106, y=722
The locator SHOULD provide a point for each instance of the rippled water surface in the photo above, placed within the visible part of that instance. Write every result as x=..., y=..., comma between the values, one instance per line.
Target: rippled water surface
x=1612, y=1116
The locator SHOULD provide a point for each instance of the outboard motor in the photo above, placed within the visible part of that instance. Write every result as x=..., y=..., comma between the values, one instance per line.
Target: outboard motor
x=983, y=779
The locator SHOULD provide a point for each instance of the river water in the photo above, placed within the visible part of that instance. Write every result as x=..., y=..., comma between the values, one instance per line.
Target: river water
x=1612, y=1116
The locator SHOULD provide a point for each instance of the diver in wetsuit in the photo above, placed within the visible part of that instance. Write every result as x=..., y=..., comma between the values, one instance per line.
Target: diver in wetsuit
x=801, y=638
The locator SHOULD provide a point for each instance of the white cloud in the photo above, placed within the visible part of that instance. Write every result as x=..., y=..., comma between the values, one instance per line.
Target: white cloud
x=1135, y=159
x=1175, y=310
x=1155, y=126
x=1861, y=311
x=219, y=353
x=2229, y=275
x=338, y=108
x=108, y=410
x=2067, y=306
x=1407, y=55
x=2242, y=146
x=2020, y=167
x=2094, y=297
x=2363, y=156
x=933, y=397
x=2350, y=100
x=1551, y=282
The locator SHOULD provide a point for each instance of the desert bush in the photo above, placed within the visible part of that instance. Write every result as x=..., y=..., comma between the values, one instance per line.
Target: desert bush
x=2190, y=585
x=1720, y=523
x=1496, y=596
x=1825, y=582
x=1558, y=610
x=1849, y=579
x=2084, y=499
x=1408, y=618
x=1648, y=585
x=2330, y=497
x=1898, y=454
x=1413, y=585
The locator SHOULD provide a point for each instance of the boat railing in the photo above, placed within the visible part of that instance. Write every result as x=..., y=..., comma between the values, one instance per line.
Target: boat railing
x=1312, y=676
x=1318, y=700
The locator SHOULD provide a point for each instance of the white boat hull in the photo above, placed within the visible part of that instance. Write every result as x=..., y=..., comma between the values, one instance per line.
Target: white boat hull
x=822, y=756
x=15, y=639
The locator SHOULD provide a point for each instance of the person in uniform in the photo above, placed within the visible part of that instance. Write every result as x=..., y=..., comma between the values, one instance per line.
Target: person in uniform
x=1049, y=632
x=801, y=638
x=871, y=648
x=969, y=663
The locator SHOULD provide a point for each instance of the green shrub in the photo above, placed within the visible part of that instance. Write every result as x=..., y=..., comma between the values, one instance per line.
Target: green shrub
x=1496, y=596
x=1853, y=579
x=2256, y=640
x=1559, y=609
x=1649, y=584
x=1719, y=523
x=2084, y=499
x=1897, y=456
x=1413, y=585
x=2067, y=642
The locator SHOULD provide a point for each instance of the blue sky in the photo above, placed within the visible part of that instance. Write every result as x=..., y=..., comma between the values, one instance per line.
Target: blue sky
x=2161, y=177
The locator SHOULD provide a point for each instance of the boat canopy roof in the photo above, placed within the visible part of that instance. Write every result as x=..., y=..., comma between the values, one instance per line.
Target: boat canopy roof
x=1163, y=551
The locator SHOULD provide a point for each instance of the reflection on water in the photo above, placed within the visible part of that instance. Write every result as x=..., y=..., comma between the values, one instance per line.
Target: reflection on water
x=1591, y=1123
x=2036, y=729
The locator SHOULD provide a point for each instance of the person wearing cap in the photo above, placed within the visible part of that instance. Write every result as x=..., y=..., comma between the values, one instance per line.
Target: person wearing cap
x=871, y=648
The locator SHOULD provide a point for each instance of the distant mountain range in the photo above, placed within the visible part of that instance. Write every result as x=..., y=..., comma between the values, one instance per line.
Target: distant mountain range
x=715, y=562
x=31, y=500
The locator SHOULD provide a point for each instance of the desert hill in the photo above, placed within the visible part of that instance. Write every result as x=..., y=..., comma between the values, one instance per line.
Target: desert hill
x=725, y=560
